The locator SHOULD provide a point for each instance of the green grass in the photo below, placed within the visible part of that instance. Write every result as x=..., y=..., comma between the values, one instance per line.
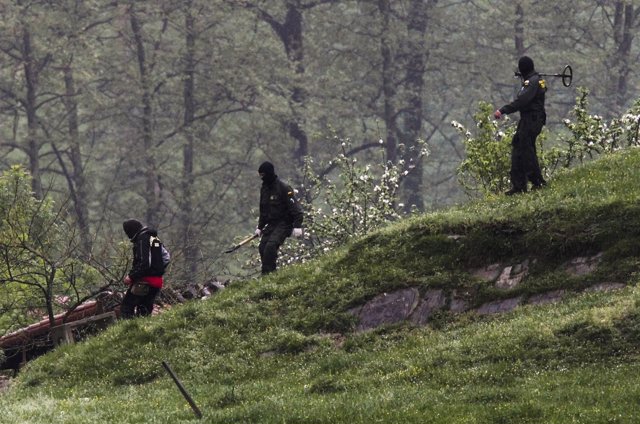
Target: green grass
x=282, y=349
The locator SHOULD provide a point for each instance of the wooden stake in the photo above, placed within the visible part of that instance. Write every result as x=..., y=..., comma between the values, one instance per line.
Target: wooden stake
x=182, y=390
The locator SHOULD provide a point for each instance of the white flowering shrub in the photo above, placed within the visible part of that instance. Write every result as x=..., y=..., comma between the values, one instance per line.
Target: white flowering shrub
x=591, y=136
x=359, y=199
x=486, y=166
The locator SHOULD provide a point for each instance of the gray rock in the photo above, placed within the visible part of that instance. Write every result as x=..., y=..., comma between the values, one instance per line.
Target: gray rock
x=459, y=303
x=583, y=265
x=388, y=308
x=355, y=311
x=499, y=306
x=458, y=306
x=512, y=276
x=488, y=273
x=433, y=300
x=546, y=298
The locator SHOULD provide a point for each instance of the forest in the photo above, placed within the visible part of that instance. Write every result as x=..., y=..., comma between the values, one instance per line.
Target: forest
x=163, y=110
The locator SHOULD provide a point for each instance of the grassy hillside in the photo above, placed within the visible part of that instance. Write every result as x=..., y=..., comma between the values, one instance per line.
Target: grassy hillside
x=282, y=349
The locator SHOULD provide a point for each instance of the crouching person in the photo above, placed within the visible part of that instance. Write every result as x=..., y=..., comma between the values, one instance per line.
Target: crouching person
x=150, y=260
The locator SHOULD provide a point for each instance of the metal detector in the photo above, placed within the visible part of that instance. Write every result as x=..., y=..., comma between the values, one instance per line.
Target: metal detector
x=566, y=75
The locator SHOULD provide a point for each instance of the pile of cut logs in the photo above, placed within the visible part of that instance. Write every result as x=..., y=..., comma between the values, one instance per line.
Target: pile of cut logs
x=90, y=317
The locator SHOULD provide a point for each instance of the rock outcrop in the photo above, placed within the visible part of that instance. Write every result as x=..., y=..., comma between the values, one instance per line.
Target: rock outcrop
x=409, y=305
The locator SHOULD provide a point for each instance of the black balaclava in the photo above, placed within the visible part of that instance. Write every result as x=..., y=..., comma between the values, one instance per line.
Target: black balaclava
x=132, y=227
x=267, y=172
x=525, y=65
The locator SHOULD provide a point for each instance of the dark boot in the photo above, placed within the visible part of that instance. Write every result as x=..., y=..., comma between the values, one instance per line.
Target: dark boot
x=515, y=191
x=538, y=186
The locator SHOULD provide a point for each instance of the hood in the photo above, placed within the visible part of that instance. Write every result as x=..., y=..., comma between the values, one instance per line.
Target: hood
x=525, y=66
x=267, y=172
x=132, y=227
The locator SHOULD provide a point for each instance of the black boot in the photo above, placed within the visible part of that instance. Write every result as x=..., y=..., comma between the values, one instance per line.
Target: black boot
x=538, y=186
x=515, y=191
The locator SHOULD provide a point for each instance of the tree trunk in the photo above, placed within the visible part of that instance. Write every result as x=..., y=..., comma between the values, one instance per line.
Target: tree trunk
x=33, y=145
x=388, y=86
x=188, y=235
x=290, y=33
x=411, y=123
x=623, y=26
x=293, y=40
x=152, y=189
x=519, y=31
x=49, y=294
x=76, y=180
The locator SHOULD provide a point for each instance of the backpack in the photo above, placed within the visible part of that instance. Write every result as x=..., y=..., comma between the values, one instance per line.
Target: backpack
x=159, y=256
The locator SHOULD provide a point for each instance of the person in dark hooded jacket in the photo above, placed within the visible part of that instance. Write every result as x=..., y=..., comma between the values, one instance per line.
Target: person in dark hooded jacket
x=530, y=104
x=280, y=216
x=145, y=277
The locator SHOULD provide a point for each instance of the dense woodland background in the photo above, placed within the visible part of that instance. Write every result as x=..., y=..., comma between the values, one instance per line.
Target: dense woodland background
x=163, y=110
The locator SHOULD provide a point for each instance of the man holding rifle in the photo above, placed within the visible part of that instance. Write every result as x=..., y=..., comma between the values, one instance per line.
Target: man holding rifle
x=530, y=104
x=280, y=216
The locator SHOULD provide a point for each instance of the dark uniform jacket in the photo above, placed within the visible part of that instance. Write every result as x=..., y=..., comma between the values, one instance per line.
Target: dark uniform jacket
x=530, y=99
x=278, y=206
x=144, y=265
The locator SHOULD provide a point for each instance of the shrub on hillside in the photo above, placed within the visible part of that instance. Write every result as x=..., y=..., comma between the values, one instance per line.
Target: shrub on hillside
x=360, y=199
x=591, y=136
x=488, y=151
x=486, y=166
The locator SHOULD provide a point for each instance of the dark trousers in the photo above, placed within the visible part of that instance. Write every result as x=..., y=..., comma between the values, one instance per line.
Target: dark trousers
x=272, y=238
x=138, y=306
x=524, y=158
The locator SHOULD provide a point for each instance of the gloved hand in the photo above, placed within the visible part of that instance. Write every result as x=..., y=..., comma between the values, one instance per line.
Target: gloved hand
x=297, y=232
x=258, y=232
x=497, y=114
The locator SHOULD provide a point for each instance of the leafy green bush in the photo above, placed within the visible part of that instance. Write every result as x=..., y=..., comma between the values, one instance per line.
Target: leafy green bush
x=488, y=162
x=44, y=270
x=486, y=168
x=31, y=246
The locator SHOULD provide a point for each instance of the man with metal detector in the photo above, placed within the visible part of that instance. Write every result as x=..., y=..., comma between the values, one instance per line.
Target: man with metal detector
x=530, y=103
x=280, y=216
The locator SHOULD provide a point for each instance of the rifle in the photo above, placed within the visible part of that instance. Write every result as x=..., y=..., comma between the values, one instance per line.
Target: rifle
x=242, y=243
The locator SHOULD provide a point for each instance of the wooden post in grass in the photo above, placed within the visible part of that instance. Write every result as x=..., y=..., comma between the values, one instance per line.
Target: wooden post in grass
x=182, y=390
